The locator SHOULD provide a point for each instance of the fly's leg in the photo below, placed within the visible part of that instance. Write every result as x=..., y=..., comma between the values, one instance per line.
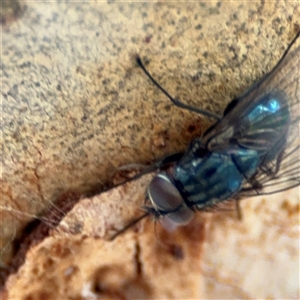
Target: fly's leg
x=161, y=163
x=271, y=172
x=157, y=165
x=238, y=210
x=128, y=226
x=239, y=213
x=173, y=100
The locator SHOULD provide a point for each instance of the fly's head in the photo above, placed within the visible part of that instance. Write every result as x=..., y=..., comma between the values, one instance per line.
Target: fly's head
x=167, y=202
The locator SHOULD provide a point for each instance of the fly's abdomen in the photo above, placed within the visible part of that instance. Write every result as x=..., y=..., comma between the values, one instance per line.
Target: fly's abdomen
x=265, y=127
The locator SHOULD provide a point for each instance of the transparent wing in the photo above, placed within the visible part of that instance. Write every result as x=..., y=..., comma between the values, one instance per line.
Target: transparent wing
x=283, y=170
x=285, y=78
x=288, y=174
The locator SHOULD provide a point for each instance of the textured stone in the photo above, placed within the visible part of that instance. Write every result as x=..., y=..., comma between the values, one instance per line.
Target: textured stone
x=75, y=107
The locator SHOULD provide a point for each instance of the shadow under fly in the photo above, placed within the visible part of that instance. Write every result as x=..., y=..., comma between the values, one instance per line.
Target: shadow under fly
x=252, y=150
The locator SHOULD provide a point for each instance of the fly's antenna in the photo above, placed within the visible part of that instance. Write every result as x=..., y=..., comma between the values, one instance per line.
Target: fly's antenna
x=131, y=224
x=173, y=100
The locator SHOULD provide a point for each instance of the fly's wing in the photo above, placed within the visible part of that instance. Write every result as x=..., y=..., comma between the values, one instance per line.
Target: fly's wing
x=287, y=177
x=235, y=129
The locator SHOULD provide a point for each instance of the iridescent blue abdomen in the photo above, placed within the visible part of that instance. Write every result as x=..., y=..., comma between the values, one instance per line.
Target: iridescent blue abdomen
x=205, y=177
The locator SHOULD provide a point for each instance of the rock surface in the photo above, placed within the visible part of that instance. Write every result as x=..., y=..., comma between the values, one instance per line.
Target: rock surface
x=76, y=107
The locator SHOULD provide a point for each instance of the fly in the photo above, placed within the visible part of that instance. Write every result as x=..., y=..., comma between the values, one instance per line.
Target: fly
x=252, y=150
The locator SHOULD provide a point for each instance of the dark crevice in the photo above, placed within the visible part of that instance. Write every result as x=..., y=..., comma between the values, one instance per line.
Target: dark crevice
x=137, y=260
x=36, y=231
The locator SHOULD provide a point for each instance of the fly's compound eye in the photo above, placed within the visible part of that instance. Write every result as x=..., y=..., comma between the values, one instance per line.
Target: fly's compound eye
x=167, y=200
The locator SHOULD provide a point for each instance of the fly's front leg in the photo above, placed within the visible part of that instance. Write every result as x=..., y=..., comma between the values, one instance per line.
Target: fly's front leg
x=161, y=163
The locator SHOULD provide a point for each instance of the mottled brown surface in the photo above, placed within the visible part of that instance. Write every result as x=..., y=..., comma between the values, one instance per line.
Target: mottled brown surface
x=70, y=264
x=75, y=106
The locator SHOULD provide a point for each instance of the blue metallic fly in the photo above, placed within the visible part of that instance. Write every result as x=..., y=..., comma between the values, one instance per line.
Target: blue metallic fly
x=252, y=150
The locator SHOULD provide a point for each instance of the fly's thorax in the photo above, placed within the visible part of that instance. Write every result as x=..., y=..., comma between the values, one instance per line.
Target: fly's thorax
x=213, y=177
x=167, y=201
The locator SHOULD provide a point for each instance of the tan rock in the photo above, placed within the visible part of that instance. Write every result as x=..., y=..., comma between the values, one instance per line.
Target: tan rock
x=76, y=107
